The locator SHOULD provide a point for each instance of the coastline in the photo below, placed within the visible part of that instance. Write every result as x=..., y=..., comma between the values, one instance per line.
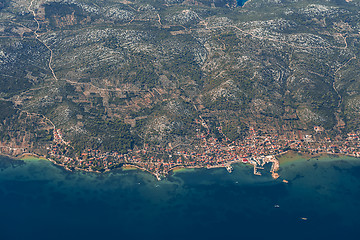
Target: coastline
x=29, y=156
x=178, y=169
x=127, y=167
x=25, y=156
x=292, y=156
x=284, y=158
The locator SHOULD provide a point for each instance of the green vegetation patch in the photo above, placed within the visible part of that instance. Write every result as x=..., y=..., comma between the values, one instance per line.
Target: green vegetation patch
x=7, y=110
x=107, y=135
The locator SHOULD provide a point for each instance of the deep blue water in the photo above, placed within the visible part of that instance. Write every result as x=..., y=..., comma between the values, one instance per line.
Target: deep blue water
x=41, y=201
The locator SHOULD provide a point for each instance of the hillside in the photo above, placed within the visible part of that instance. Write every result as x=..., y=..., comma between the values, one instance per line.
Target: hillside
x=118, y=75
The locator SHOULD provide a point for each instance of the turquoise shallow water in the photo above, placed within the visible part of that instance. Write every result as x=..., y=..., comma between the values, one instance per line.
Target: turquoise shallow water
x=41, y=201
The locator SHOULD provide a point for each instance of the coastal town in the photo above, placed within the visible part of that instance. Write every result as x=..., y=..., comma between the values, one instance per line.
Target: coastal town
x=258, y=149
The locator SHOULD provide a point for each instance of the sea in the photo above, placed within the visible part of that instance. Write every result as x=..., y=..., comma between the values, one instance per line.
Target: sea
x=321, y=200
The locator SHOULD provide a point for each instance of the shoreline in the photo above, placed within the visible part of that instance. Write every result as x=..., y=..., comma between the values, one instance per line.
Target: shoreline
x=292, y=155
x=178, y=169
x=27, y=156
x=126, y=167
x=24, y=155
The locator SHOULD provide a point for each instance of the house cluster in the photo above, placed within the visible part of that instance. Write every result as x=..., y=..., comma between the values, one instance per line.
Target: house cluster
x=256, y=149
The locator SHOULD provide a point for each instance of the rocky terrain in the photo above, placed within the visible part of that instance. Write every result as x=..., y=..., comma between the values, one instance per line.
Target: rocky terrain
x=115, y=75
